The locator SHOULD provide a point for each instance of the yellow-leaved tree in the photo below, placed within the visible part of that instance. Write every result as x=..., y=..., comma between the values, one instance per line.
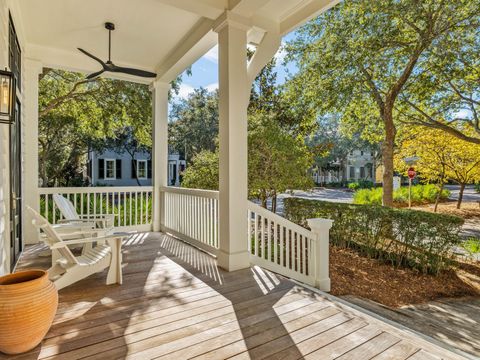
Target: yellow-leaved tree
x=440, y=157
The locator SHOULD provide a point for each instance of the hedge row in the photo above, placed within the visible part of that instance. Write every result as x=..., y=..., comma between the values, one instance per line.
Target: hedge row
x=415, y=239
x=421, y=194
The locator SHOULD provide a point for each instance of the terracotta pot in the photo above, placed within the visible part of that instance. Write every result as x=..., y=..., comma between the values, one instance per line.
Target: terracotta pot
x=28, y=303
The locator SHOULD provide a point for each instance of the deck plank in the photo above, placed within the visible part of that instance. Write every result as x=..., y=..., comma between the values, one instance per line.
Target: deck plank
x=175, y=303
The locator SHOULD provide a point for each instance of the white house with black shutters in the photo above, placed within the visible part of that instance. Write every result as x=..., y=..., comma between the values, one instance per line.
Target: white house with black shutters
x=111, y=168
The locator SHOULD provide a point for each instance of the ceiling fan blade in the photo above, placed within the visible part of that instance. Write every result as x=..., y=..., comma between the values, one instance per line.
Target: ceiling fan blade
x=95, y=74
x=131, y=71
x=92, y=56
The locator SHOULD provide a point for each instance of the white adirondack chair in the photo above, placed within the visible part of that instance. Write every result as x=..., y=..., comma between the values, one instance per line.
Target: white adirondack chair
x=69, y=268
x=69, y=212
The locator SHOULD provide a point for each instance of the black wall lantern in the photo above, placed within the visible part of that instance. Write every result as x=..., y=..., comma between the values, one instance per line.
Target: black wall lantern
x=6, y=97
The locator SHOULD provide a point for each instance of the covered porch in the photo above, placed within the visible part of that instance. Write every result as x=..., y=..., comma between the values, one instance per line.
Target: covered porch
x=176, y=303
x=207, y=273
x=165, y=37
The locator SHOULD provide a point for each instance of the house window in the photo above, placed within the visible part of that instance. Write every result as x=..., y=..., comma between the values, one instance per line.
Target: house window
x=142, y=169
x=110, y=169
x=361, y=153
x=362, y=172
x=352, y=172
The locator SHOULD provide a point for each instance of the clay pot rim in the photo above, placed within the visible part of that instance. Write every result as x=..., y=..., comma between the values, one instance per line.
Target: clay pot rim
x=23, y=278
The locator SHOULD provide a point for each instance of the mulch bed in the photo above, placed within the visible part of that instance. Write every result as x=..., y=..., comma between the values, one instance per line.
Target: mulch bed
x=468, y=210
x=352, y=274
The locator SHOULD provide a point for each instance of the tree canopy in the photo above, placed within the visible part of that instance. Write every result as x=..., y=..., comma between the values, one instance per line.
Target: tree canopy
x=193, y=124
x=441, y=157
x=364, y=59
x=76, y=113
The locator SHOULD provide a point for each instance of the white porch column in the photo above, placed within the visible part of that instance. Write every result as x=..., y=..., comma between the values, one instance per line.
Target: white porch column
x=160, y=149
x=33, y=68
x=232, y=38
x=321, y=228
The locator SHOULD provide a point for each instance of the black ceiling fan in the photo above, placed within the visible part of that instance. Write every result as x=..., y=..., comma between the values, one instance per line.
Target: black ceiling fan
x=109, y=65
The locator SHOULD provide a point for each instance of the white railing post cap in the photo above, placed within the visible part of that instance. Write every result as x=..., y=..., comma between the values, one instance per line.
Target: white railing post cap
x=319, y=224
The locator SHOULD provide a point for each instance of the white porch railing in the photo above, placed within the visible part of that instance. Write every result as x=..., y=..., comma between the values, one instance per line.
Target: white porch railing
x=279, y=245
x=191, y=215
x=132, y=206
x=274, y=242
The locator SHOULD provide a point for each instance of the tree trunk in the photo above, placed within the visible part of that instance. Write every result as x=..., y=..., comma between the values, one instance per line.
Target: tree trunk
x=263, y=199
x=460, y=195
x=43, y=171
x=442, y=184
x=274, y=203
x=387, y=156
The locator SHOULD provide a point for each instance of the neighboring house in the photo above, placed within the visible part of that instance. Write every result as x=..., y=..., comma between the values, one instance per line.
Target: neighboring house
x=111, y=168
x=359, y=165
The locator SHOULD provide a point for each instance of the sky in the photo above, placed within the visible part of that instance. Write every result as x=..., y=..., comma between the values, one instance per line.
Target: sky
x=205, y=70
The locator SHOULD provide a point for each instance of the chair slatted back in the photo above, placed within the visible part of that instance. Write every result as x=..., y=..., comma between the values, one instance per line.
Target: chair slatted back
x=51, y=236
x=66, y=207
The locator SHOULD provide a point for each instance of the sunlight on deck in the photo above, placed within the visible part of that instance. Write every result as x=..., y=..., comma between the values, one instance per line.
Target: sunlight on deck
x=175, y=303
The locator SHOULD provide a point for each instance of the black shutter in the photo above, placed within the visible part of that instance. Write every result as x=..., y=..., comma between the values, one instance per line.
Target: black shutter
x=149, y=169
x=101, y=168
x=89, y=169
x=134, y=169
x=118, y=167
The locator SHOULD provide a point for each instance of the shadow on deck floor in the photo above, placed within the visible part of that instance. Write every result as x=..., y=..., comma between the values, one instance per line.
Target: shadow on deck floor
x=176, y=304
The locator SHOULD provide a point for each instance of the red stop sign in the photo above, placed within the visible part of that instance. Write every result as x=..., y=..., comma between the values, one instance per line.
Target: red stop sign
x=411, y=173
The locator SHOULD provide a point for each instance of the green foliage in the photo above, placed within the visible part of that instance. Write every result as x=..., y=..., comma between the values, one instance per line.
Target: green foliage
x=415, y=239
x=194, y=124
x=277, y=160
x=361, y=184
x=421, y=194
x=367, y=61
x=472, y=246
x=74, y=113
x=203, y=172
x=131, y=209
x=477, y=187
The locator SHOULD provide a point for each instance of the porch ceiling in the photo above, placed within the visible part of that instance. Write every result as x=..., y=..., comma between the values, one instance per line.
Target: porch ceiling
x=163, y=36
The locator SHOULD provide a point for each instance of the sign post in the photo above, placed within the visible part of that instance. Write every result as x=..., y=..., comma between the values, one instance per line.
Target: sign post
x=411, y=175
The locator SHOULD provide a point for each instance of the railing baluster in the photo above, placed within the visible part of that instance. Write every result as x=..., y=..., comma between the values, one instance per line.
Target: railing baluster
x=275, y=243
x=257, y=245
x=282, y=247
x=288, y=244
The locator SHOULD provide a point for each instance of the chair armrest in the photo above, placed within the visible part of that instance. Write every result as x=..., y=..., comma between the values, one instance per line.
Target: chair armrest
x=96, y=216
x=69, y=228
x=70, y=221
x=64, y=243
x=82, y=233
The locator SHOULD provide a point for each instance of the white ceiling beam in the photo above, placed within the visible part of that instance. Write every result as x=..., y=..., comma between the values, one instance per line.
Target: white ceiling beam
x=304, y=12
x=193, y=46
x=211, y=9
x=246, y=7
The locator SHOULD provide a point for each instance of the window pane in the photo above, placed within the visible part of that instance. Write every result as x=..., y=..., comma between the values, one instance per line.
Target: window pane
x=142, y=169
x=110, y=169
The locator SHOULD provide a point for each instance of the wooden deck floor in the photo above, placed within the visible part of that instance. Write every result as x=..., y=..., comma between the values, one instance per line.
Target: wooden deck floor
x=175, y=304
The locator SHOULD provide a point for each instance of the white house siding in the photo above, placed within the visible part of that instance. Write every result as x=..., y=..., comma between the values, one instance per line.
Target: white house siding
x=127, y=179
x=5, y=7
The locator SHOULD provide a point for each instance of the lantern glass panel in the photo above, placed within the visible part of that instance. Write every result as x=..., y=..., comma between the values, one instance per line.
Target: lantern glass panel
x=5, y=101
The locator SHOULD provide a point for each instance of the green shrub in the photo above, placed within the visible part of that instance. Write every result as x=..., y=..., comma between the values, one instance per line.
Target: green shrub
x=361, y=184
x=472, y=245
x=368, y=196
x=415, y=239
x=354, y=186
x=132, y=209
x=421, y=194
x=477, y=187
